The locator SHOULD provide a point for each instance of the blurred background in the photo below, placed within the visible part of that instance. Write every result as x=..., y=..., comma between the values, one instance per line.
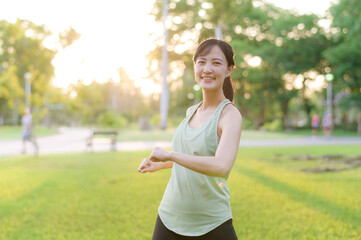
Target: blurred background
x=99, y=63
x=125, y=68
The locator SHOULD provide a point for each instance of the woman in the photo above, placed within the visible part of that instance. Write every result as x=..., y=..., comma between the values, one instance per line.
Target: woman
x=196, y=203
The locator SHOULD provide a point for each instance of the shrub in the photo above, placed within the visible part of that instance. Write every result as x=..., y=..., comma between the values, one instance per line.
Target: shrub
x=275, y=125
x=112, y=120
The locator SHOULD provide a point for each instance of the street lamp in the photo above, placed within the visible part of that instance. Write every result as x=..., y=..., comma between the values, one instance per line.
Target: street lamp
x=27, y=76
x=329, y=78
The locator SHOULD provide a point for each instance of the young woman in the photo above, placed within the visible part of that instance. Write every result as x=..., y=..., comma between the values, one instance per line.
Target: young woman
x=196, y=203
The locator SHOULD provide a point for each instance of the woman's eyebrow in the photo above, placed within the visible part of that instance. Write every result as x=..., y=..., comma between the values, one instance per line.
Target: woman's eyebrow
x=217, y=59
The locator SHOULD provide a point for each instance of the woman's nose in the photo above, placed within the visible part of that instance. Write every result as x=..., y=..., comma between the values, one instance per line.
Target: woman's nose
x=207, y=68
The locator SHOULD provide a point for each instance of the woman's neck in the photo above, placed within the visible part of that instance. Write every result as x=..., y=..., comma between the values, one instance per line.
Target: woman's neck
x=211, y=99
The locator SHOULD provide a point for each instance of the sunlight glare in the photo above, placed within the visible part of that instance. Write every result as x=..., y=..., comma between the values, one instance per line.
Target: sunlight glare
x=114, y=34
x=148, y=87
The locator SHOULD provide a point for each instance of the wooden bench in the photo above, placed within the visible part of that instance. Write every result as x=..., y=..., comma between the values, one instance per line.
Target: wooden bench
x=103, y=133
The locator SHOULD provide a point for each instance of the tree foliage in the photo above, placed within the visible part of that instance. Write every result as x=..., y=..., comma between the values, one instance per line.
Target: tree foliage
x=285, y=43
x=98, y=103
x=345, y=56
x=22, y=51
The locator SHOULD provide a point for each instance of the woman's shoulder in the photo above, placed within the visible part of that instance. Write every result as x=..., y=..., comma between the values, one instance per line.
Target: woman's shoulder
x=231, y=112
x=191, y=109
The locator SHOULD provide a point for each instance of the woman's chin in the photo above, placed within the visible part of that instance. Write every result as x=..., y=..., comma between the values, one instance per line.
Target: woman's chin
x=208, y=85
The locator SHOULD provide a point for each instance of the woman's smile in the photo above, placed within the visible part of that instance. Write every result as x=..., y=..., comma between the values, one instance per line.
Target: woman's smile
x=211, y=69
x=208, y=79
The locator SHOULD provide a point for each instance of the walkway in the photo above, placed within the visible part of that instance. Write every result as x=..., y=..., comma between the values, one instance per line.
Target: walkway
x=73, y=140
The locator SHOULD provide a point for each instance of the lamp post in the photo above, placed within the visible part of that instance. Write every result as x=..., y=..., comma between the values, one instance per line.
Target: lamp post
x=329, y=78
x=27, y=76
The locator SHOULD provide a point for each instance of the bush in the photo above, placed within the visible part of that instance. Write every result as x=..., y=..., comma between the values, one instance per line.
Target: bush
x=275, y=125
x=172, y=121
x=112, y=120
x=247, y=123
x=155, y=120
x=175, y=121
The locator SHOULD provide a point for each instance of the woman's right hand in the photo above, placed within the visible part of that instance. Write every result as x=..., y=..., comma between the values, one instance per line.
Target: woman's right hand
x=148, y=166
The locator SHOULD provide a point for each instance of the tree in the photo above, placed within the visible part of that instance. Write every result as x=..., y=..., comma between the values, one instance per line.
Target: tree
x=345, y=56
x=274, y=37
x=22, y=51
x=89, y=102
x=68, y=37
x=10, y=90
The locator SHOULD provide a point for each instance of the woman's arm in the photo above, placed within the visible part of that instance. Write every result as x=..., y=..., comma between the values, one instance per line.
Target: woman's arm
x=149, y=166
x=219, y=165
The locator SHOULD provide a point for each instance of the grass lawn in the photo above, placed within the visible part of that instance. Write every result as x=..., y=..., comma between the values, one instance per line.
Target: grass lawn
x=102, y=196
x=10, y=132
x=259, y=134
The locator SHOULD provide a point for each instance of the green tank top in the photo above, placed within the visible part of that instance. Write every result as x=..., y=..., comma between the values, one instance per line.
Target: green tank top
x=193, y=203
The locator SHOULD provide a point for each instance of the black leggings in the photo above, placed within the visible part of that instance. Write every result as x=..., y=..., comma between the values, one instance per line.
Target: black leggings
x=223, y=232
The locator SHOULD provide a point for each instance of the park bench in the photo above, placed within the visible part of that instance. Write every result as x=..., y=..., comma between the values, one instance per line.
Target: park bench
x=103, y=134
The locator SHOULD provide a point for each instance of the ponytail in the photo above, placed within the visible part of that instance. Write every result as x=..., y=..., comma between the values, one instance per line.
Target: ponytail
x=228, y=89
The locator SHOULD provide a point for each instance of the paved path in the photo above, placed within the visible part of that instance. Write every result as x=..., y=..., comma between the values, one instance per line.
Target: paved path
x=74, y=140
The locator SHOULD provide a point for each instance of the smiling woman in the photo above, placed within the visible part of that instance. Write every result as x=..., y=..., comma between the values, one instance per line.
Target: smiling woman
x=204, y=148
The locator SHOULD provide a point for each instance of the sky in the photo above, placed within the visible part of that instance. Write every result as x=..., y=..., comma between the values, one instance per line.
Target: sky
x=114, y=33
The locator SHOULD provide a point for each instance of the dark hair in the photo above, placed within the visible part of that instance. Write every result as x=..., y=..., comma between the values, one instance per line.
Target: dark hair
x=205, y=47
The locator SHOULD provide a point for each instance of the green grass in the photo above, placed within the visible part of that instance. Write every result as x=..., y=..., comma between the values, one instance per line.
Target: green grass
x=133, y=134
x=102, y=196
x=269, y=135
x=9, y=132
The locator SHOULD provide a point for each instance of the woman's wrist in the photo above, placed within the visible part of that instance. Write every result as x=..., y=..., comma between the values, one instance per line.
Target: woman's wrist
x=170, y=156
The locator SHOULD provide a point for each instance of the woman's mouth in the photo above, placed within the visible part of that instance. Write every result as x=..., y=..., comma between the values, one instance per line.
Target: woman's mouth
x=208, y=79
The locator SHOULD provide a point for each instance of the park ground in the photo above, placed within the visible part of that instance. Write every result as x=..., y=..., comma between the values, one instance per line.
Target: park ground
x=283, y=186
x=308, y=192
x=65, y=139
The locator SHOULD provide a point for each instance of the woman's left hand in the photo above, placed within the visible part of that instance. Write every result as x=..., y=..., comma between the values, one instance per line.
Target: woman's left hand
x=159, y=155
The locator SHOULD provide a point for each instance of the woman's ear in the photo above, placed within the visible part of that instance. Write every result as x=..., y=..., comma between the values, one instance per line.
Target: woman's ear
x=229, y=70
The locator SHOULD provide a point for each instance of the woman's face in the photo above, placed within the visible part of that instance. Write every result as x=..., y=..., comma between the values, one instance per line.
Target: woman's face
x=211, y=69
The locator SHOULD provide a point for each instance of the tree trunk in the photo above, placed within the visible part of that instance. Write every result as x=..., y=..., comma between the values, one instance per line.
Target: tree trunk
x=284, y=109
x=15, y=117
x=218, y=32
x=359, y=123
x=261, y=116
x=164, y=100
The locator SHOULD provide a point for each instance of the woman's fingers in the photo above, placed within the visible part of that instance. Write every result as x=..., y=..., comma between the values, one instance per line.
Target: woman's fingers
x=147, y=166
x=159, y=155
x=153, y=156
x=144, y=164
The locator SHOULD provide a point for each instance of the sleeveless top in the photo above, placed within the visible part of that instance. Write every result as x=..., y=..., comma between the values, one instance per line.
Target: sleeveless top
x=193, y=204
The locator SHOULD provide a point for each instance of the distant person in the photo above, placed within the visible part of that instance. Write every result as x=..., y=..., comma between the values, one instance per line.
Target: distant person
x=196, y=203
x=27, y=131
x=315, y=123
x=327, y=124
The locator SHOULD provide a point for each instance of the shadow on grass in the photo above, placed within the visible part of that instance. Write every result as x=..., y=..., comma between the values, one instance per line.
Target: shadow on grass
x=26, y=200
x=340, y=213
